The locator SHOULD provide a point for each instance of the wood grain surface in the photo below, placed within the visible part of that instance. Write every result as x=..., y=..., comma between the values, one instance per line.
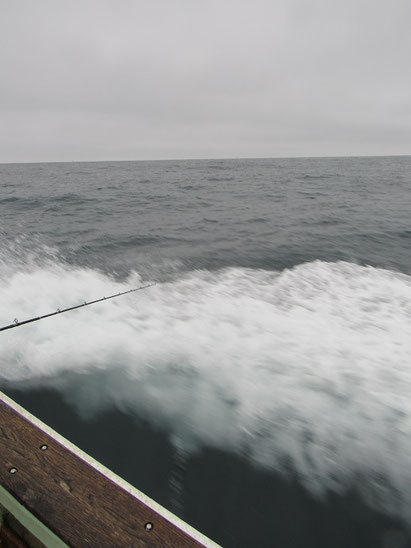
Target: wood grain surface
x=79, y=504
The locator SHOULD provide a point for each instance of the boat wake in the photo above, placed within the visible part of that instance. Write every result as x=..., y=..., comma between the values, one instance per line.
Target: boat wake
x=305, y=370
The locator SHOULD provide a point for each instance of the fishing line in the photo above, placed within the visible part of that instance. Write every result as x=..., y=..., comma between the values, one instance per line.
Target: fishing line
x=16, y=323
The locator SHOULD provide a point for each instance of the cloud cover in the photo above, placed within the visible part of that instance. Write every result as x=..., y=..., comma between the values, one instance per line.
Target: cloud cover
x=98, y=80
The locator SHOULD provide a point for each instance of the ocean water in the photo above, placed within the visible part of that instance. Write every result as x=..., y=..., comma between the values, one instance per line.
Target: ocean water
x=261, y=389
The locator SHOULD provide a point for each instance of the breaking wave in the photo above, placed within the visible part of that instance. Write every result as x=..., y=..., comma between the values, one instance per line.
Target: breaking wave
x=307, y=370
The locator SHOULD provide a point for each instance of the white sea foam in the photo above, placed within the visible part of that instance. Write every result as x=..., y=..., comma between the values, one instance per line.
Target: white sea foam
x=307, y=369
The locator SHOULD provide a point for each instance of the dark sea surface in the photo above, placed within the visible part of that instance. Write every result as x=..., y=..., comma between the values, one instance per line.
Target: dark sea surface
x=261, y=389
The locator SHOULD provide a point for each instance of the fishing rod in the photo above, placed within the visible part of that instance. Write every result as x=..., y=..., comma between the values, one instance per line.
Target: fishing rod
x=16, y=323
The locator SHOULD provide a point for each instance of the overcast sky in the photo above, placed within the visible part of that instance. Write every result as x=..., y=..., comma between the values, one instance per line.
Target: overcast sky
x=127, y=79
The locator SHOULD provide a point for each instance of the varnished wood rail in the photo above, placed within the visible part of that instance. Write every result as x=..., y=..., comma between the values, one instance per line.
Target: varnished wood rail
x=77, y=498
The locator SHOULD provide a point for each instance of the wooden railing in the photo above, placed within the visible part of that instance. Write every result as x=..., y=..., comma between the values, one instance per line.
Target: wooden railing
x=73, y=498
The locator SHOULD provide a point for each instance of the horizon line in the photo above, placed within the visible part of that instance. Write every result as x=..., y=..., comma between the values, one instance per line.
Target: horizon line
x=196, y=159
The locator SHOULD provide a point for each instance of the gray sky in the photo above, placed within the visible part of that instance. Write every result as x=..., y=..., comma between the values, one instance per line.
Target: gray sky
x=123, y=79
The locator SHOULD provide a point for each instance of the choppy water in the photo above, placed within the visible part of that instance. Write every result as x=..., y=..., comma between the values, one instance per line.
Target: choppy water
x=261, y=389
